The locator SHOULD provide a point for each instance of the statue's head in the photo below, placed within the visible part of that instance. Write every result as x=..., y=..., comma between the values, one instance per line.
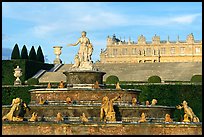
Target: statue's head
x=83, y=33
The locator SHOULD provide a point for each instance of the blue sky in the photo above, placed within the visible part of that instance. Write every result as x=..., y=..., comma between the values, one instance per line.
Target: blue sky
x=51, y=24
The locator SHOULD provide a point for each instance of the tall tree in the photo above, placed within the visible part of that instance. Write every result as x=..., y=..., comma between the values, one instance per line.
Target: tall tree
x=40, y=56
x=15, y=53
x=24, y=53
x=32, y=54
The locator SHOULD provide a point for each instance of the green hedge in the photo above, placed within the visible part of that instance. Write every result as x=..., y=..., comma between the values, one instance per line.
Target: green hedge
x=154, y=79
x=171, y=95
x=9, y=93
x=112, y=79
x=29, y=69
x=33, y=81
x=196, y=78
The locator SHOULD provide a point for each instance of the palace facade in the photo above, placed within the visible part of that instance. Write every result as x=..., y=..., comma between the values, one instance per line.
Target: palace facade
x=157, y=50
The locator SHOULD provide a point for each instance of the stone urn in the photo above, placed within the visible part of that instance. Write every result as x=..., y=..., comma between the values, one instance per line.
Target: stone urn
x=57, y=52
x=17, y=74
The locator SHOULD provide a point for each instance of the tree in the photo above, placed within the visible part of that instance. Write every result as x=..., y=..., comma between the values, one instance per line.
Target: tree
x=112, y=79
x=15, y=53
x=24, y=53
x=32, y=54
x=40, y=56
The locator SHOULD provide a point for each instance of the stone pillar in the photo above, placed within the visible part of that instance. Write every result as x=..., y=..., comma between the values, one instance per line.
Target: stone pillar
x=17, y=74
x=57, y=52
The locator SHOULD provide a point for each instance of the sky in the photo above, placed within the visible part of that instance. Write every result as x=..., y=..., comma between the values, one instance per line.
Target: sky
x=51, y=24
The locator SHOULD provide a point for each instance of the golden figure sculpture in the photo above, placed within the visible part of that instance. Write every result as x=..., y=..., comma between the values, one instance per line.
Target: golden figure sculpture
x=188, y=111
x=61, y=85
x=117, y=86
x=76, y=62
x=83, y=118
x=168, y=118
x=154, y=102
x=17, y=111
x=142, y=119
x=147, y=103
x=96, y=85
x=107, y=111
x=41, y=102
x=59, y=117
x=68, y=100
x=134, y=101
x=34, y=117
x=49, y=85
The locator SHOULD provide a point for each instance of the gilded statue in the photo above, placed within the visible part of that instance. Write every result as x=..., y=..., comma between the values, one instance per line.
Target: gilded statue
x=147, y=103
x=96, y=85
x=83, y=58
x=17, y=111
x=49, y=85
x=154, y=102
x=61, y=84
x=134, y=101
x=117, y=86
x=34, y=117
x=188, y=111
x=107, y=111
x=142, y=118
x=59, y=117
x=68, y=100
x=168, y=118
x=83, y=118
x=186, y=119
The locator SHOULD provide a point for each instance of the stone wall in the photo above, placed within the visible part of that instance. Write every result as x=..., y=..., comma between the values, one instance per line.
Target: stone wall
x=47, y=128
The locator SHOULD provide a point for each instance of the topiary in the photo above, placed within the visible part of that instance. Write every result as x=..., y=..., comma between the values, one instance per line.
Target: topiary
x=15, y=53
x=154, y=79
x=24, y=53
x=40, y=56
x=32, y=54
x=112, y=79
x=33, y=81
x=196, y=78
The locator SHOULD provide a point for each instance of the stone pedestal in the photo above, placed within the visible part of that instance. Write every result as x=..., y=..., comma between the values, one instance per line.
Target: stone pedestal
x=83, y=78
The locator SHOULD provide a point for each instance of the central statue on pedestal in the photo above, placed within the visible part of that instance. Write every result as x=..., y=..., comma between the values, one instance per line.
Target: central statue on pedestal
x=83, y=58
x=83, y=74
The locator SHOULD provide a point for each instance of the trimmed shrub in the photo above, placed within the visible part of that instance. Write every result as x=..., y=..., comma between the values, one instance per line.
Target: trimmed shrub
x=154, y=79
x=33, y=81
x=15, y=53
x=32, y=54
x=24, y=53
x=112, y=79
x=40, y=56
x=196, y=78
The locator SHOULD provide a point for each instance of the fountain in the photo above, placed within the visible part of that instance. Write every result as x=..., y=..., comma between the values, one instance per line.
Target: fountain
x=86, y=106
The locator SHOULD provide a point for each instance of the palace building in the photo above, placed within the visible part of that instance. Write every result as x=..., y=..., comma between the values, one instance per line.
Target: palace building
x=157, y=50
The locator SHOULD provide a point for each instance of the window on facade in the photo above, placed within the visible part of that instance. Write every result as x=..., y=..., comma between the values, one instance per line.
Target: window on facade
x=162, y=50
x=124, y=51
x=115, y=51
x=182, y=50
x=148, y=51
x=172, y=50
x=134, y=51
x=197, y=50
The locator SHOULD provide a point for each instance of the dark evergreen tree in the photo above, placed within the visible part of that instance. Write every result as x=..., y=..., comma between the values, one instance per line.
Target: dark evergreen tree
x=40, y=56
x=32, y=54
x=24, y=53
x=15, y=53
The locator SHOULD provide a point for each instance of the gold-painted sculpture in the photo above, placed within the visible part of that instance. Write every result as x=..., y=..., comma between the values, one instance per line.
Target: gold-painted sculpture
x=188, y=111
x=118, y=86
x=168, y=118
x=134, y=101
x=61, y=85
x=96, y=85
x=49, y=85
x=17, y=111
x=107, y=112
x=147, y=103
x=83, y=118
x=34, y=117
x=59, y=117
x=186, y=118
x=154, y=102
x=41, y=102
x=143, y=118
x=68, y=100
